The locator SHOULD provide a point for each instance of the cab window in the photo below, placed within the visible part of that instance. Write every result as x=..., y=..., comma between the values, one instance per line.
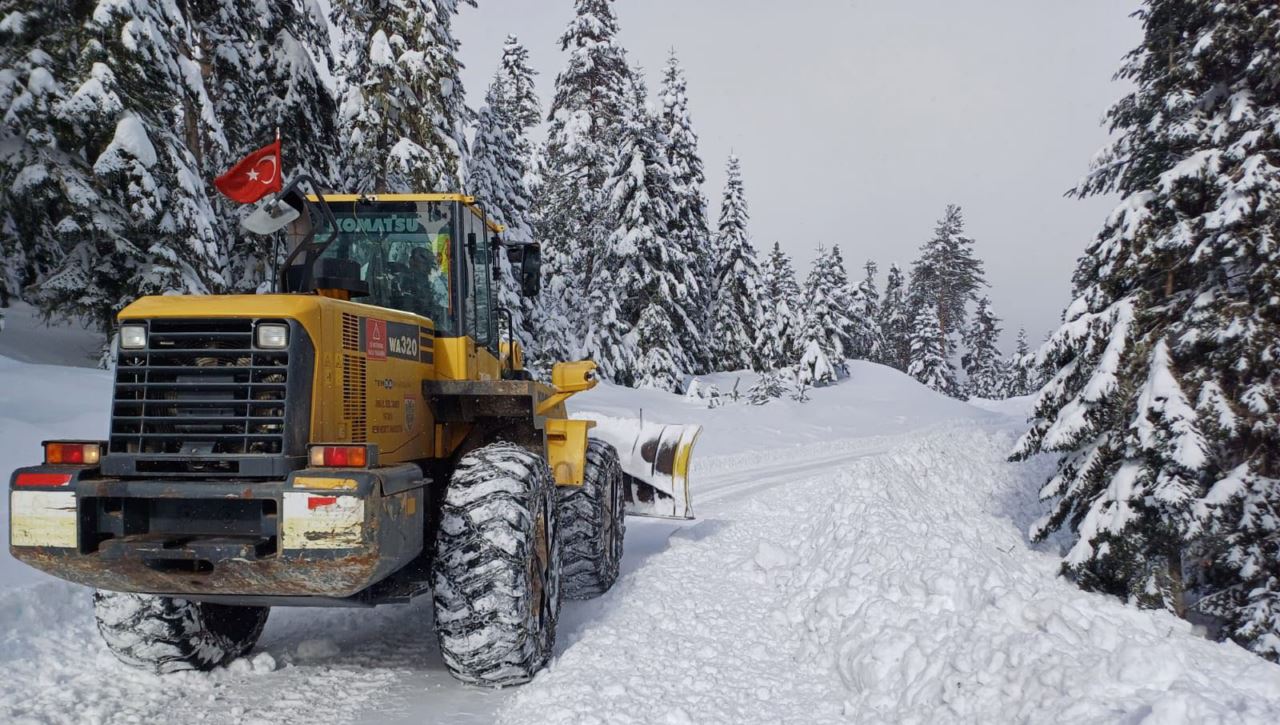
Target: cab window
x=405, y=253
x=481, y=323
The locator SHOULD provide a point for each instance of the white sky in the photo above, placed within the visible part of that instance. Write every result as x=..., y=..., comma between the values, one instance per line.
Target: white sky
x=858, y=120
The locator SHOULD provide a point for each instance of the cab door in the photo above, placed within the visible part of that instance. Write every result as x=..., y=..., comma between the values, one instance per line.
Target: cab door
x=480, y=319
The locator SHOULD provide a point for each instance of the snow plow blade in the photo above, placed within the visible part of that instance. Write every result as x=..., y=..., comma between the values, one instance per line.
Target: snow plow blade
x=655, y=464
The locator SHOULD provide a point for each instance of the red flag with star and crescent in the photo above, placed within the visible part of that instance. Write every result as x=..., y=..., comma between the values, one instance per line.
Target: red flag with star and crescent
x=257, y=175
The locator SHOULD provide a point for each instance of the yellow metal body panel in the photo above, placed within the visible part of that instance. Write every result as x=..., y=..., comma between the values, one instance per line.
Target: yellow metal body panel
x=371, y=392
x=459, y=358
x=363, y=392
x=566, y=449
x=324, y=484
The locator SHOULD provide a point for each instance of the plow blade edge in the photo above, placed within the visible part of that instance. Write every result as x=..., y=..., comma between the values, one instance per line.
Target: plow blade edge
x=655, y=464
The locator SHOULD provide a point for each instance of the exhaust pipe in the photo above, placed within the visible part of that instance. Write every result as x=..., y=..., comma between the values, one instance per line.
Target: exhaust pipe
x=655, y=463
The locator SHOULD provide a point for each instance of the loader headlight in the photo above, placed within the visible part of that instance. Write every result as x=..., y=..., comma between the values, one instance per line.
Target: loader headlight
x=273, y=337
x=133, y=337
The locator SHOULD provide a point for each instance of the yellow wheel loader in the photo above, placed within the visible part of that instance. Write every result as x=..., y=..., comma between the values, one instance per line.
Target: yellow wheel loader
x=362, y=436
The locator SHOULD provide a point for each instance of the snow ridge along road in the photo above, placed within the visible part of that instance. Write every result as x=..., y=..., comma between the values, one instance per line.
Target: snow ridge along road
x=893, y=586
x=857, y=558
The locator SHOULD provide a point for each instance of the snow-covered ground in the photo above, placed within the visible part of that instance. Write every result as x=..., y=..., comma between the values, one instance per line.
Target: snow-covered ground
x=861, y=557
x=27, y=338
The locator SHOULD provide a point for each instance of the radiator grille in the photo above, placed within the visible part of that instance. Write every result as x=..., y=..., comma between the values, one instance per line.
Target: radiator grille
x=200, y=388
x=354, y=408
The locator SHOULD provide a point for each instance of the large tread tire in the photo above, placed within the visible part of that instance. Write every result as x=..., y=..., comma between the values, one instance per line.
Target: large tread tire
x=164, y=634
x=593, y=525
x=496, y=576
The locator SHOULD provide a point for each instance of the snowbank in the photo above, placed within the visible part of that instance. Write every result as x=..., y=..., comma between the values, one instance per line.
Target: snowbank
x=898, y=587
x=26, y=338
x=873, y=401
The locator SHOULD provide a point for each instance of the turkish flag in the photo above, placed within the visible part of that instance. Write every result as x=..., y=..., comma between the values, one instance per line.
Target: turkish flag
x=257, y=175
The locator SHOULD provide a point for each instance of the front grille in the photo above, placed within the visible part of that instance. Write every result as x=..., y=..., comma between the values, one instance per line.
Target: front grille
x=199, y=389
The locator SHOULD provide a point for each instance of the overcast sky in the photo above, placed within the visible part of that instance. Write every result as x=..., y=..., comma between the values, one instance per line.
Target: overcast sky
x=857, y=121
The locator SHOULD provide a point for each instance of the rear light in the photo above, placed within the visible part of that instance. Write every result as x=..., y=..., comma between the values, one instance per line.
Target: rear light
x=74, y=453
x=26, y=480
x=342, y=456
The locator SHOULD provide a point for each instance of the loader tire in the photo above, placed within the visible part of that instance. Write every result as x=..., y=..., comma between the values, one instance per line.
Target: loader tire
x=496, y=576
x=163, y=634
x=593, y=524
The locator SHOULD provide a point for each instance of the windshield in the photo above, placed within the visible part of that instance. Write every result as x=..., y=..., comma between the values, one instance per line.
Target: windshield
x=403, y=249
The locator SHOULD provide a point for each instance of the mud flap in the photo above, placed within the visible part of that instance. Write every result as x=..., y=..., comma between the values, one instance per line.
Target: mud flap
x=655, y=464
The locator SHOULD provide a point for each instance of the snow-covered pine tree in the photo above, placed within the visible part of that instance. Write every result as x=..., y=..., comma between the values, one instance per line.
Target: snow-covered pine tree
x=856, y=332
x=586, y=116
x=1022, y=375
x=37, y=75
x=556, y=313
x=947, y=275
x=779, y=339
x=815, y=368
x=404, y=106
x=520, y=101
x=828, y=308
x=736, y=312
x=275, y=59
x=690, y=228
x=930, y=361
x=895, y=326
x=1163, y=402
x=637, y=321
x=983, y=367
x=868, y=338
x=138, y=220
x=769, y=387
x=496, y=176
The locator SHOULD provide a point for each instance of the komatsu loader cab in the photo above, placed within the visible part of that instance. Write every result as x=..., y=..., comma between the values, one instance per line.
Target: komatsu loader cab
x=365, y=435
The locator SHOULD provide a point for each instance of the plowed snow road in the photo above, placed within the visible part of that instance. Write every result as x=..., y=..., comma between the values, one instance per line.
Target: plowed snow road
x=328, y=665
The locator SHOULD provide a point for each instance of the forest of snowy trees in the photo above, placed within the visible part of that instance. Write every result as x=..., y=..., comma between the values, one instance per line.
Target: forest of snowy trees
x=116, y=117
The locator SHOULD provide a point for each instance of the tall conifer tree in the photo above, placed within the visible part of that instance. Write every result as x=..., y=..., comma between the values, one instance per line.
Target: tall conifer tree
x=404, y=105
x=689, y=228
x=868, y=338
x=1162, y=403
x=947, y=275
x=587, y=114
x=895, y=326
x=496, y=176
x=135, y=219
x=930, y=363
x=828, y=308
x=737, y=312
x=637, y=322
x=984, y=371
x=780, y=337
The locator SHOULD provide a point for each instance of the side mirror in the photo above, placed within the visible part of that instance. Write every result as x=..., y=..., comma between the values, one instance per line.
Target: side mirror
x=271, y=217
x=531, y=270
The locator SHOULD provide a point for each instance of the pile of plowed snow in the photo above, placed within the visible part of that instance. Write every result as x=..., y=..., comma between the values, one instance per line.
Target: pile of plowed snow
x=876, y=578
